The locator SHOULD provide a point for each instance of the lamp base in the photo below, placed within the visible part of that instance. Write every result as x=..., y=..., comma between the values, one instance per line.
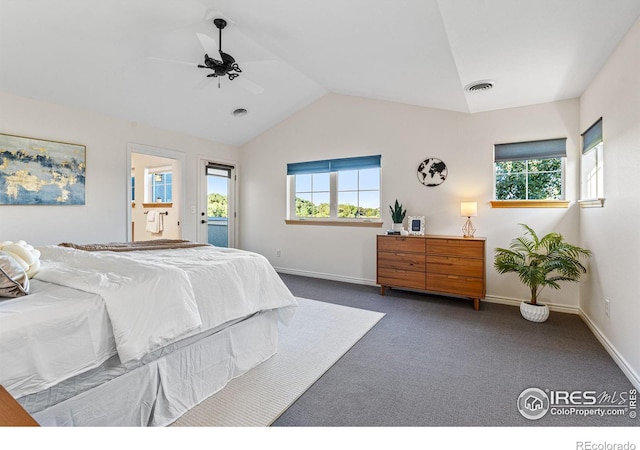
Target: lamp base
x=468, y=230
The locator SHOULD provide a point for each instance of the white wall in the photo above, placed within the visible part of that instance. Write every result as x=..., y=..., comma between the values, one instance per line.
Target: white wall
x=343, y=126
x=612, y=232
x=103, y=217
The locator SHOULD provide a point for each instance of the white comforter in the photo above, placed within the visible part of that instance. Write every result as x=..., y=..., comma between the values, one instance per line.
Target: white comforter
x=159, y=296
x=52, y=334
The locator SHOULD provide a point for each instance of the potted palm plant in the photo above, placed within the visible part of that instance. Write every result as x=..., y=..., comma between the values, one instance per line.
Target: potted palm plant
x=540, y=262
x=397, y=215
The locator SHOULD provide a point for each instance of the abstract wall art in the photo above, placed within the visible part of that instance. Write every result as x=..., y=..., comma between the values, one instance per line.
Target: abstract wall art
x=41, y=172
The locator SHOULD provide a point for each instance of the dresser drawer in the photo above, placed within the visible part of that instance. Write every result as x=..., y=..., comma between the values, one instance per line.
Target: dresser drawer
x=401, y=278
x=454, y=284
x=403, y=261
x=454, y=265
x=401, y=244
x=455, y=247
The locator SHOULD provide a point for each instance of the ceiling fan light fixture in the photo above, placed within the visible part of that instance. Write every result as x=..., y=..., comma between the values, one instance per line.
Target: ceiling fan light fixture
x=220, y=63
x=479, y=86
x=239, y=112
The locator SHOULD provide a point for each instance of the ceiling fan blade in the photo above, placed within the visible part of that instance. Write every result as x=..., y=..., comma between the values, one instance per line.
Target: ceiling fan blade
x=172, y=61
x=249, y=85
x=210, y=46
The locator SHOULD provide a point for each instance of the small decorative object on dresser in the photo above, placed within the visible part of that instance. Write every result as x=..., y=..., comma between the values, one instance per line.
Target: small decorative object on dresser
x=540, y=262
x=442, y=264
x=397, y=215
x=416, y=225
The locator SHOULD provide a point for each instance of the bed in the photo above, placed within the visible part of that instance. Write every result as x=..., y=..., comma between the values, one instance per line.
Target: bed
x=137, y=334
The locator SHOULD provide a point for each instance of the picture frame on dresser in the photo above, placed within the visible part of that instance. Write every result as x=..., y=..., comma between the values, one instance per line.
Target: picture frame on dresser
x=416, y=225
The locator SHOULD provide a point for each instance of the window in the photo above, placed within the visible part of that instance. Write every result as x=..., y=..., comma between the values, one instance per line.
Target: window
x=592, y=165
x=531, y=170
x=161, y=185
x=313, y=195
x=340, y=189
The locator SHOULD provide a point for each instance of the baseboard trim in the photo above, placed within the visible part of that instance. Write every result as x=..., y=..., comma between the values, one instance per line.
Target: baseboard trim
x=516, y=302
x=633, y=377
x=326, y=276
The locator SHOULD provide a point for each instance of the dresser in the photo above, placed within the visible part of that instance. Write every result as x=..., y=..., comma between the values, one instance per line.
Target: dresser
x=451, y=265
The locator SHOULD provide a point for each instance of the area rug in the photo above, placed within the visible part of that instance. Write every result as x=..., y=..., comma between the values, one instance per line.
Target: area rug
x=320, y=334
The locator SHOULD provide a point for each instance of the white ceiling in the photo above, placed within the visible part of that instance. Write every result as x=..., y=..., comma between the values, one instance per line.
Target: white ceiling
x=120, y=57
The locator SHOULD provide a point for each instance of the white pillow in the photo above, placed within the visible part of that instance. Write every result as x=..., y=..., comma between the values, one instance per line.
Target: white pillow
x=25, y=255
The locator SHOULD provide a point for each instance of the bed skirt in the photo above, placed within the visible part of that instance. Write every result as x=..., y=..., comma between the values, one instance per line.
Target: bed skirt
x=158, y=393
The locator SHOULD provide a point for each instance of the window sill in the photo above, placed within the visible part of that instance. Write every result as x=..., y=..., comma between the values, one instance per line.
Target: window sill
x=530, y=204
x=334, y=223
x=157, y=205
x=592, y=203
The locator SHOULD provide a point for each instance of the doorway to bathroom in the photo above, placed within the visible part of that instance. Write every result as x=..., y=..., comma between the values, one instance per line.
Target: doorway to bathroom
x=154, y=193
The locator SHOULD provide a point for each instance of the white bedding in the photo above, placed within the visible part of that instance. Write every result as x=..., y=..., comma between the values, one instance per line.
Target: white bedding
x=155, y=297
x=50, y=335
x=85, y=307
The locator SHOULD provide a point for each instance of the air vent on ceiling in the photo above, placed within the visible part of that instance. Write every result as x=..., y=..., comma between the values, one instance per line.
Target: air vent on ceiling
x=479, y=86
x=239, y=112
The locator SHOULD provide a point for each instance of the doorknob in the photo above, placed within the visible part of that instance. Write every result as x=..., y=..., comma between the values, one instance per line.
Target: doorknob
x=203, y=221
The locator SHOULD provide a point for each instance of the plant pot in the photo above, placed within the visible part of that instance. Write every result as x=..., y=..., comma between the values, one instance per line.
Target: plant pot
x=397, y=227
x=534, y=313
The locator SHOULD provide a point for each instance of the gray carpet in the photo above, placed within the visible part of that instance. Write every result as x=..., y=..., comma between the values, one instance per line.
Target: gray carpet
x=434, y=361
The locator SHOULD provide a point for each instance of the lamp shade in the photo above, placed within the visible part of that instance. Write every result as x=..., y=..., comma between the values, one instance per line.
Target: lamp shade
x=468, y=209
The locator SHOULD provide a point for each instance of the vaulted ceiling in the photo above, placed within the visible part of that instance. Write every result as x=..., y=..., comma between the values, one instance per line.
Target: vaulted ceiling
x=137, y=59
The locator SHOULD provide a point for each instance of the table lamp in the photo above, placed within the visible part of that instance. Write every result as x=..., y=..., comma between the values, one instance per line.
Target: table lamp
x=468, y=209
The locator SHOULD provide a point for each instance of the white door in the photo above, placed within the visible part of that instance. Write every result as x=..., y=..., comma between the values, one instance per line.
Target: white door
x=218, y=213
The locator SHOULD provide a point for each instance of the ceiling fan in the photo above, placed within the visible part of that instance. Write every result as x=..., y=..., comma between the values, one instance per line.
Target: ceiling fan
x=220, y=63
x=227, y=64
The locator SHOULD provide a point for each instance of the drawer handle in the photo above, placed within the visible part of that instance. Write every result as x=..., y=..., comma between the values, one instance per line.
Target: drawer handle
x=453, y=277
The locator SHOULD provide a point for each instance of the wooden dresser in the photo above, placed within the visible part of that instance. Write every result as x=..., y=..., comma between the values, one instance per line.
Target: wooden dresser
x=450, y=265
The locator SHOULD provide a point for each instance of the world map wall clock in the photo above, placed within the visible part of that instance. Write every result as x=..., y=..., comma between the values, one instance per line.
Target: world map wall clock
x=432, y=172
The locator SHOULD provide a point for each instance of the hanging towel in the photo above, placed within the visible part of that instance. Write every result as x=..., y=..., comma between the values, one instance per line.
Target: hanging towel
x=154, y=222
